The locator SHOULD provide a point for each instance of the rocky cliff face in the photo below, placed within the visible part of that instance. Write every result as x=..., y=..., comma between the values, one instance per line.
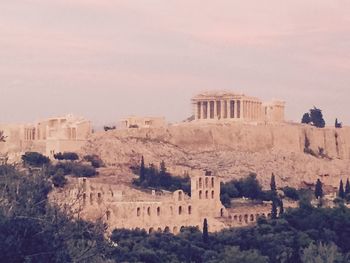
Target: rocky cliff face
x=234, y=150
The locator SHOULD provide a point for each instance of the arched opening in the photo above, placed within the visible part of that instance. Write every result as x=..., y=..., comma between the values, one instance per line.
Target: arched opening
x=189, y=209
x=158, y=211
x=108, y=215
x=235, y=218
x=212, y=182
x=200, y=183
x=138, y=213
x=151, y=230
x=159, y=230
x=240, y=218
x=99, y=197
x=268, y=215
x=212, y=194
x=182, y=228
x=180, y=210
x=206, y=182
x=166, y=229
x=206, y=194
x=246, y=218
x=222, y=212
x=149, y=211
x=200, y=194
x=251, y=218
x=180, y=196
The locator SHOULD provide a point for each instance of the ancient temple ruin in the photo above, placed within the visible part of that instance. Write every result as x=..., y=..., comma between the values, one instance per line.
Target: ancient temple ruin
x=228, y=106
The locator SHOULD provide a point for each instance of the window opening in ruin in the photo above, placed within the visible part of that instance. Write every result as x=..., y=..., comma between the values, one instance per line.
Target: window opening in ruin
x=206, y=182
x=151, y=230
x=212, y=182
x=138, y=213
x=246, y=218
x=212, y=194
x=222, y=212
x=235, y=218
x=251, y=218
x=200, y=194
x=84, y=199
x=158, y=211
x=166, y=229
x=240, y=218
x=108, y=215
x=159, y=230
x=189, y=210
x=206, y=194
x=180, y=210
x=149, y=211
x=200, y=182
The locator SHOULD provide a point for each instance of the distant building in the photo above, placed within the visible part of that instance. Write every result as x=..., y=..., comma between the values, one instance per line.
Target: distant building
x=49, y=136
x=142, y=122
x=228, y=106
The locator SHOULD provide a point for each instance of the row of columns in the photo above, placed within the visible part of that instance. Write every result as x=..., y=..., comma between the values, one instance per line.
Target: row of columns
x=29, y=134
x=227, y=109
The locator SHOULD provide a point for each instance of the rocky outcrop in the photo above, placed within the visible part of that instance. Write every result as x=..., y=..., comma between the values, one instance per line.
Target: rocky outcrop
x=296, y=154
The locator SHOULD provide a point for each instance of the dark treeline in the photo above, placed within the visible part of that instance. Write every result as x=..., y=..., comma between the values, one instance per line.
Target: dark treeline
x=154, y=178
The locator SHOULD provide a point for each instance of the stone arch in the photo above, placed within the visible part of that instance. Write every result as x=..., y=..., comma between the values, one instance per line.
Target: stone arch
x=200, y=182
x=189, y=209
x=212, y=182
x=158, y=211
x=166, y=229
x=268, y=215
x=180, y=196
x=108, y=215
x=235, y=217
x=200, y=194
x=99, y=197
x=240, y=218
x=159, y=229
x=180, y=210
x=182, y=228
x=251, y=218
x=206, y=194
x=138, y=211
x=206, y=182
x=148, y=211
x=151, y=230
x=246, y=218
x=212, y=194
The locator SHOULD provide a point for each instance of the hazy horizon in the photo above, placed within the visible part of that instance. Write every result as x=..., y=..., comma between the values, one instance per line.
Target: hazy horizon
x=105, y=60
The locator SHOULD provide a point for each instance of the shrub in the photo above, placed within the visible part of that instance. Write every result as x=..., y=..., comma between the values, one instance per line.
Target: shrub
x=59, y=180
x=94, y=160
x=82, y=170
x=291, y=193
x=35, y=159
x=69, y=156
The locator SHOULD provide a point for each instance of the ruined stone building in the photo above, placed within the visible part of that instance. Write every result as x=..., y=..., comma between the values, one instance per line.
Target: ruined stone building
x=228, y=106
x=142, y=122
x=166, y=212
x=49, y=136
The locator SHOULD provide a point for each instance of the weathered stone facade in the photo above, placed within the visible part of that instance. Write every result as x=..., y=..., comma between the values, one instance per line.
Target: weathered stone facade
x=228, y=106
x=48, y=136
x=142, y=122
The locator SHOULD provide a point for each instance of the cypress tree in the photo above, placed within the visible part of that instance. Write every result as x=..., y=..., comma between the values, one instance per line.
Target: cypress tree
x=205, y=231
x=347, y=187
x=341, y=193
x=273, y=184
x=281, y=208
x=274, y=210
x=142, y=170
x=318, y=189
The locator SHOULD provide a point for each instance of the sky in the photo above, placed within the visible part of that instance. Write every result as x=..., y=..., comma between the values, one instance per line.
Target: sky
x=107, y=59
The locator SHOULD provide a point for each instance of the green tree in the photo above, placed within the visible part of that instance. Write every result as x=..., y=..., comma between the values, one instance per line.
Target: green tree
x=347, y=187
x=205, y=235
x=35, y=159
x=321, y=253
x=142, y=170
x=317, y=118
x=341, y=193
x=162, y=168
x=281, y=208
x=306, y=118
x=273, y=184
x=235, y=255
x=274, y=209
x=318, y=189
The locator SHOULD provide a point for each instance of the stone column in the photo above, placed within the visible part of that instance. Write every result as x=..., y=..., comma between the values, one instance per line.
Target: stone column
x=215, y=109
x=228, y=103
x=236, y=109
x=202, y=110
x=222, y=109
